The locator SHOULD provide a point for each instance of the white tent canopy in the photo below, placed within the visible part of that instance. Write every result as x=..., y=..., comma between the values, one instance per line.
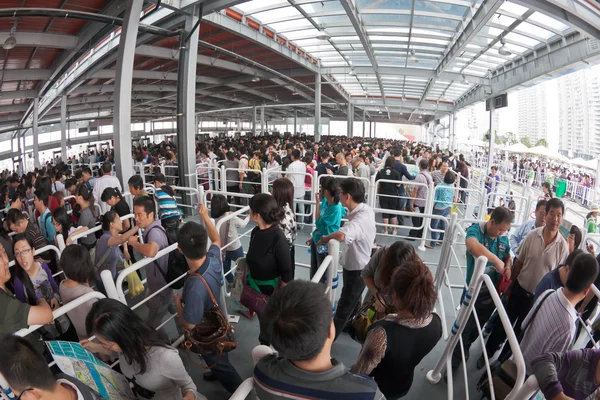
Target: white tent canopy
x=517, y=148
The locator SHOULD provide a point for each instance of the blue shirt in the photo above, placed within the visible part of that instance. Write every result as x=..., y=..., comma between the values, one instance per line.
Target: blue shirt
x=330, y=218
x=444, y=194
x=517, y=238
x=550, y=281
x=498, y=246
x=196, y=298
x=167, y=206
x=46, y=226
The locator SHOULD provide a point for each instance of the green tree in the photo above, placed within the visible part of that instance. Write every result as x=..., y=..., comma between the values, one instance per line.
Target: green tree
x=511, y=138
x=526, y=141
x=542, y=142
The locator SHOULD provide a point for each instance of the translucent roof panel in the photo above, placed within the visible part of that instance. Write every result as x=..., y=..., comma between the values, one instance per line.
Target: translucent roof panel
x=410, y=36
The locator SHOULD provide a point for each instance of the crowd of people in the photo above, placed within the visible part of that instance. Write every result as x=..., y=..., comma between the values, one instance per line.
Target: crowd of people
x=296, y=320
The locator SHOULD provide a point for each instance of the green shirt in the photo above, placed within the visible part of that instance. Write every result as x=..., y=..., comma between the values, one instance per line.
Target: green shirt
x=499, y=246
x=14, y=316
x=592, y=227
x=330, y=218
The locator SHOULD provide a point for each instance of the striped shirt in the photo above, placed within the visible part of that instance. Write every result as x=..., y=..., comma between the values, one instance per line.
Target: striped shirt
x=552, y=329
x=167, y=207
x=278, y=378
x=572, y=373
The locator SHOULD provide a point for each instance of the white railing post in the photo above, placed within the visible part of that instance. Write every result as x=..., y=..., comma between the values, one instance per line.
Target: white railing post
x=264, y=181
x=427, y=220
x=333, y=249
x=434, y=375
x=110, y=288
x=223, y=179
x=373, y=189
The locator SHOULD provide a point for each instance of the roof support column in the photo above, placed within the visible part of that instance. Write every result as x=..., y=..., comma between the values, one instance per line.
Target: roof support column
x=295, y=132
x=493, y=128
x=254, y=121
x=123, y=85
x=451, y=126
x=374, y=129
x=597, y=182
x=317, y=131
x=364, y=116
x=262, y=121
x=35, y=132
x=350, y=128
x=63, y=127
x=186, y=101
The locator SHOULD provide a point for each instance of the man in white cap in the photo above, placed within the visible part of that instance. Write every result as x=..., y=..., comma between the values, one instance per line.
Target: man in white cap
x=592, y=219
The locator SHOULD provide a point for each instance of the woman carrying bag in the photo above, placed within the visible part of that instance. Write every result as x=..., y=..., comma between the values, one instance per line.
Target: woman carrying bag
x=268, y=260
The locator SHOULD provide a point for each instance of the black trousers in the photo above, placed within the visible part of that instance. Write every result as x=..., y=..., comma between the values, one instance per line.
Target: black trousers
x=417, y=221
x=517, y=307
x=350, y=300
x=484, y=306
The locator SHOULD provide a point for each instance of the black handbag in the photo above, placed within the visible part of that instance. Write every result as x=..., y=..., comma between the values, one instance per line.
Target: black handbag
x=213, y=336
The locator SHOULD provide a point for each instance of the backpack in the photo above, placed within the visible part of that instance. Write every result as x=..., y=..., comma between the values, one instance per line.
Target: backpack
x=176, y=266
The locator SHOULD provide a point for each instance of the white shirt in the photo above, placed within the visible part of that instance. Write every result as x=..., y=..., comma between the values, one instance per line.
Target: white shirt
x=297, y=179
x=105, y=181
x=69, y=384
x=359, y=234
x=58, y=186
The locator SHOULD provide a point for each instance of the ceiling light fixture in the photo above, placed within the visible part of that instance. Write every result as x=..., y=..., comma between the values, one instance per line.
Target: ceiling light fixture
x=352, y=72
x=11, y=42
x=322, y=34
x=464, y=80
x=503, y=50
x=412, y=58
x=295, y=92
x=255, y=78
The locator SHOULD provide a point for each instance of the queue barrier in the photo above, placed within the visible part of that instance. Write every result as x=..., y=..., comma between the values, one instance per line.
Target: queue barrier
x=466, y=309
x=62, y=310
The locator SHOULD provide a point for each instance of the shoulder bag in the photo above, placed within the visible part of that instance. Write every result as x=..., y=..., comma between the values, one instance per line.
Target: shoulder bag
x=504, y=370
x=213, y=336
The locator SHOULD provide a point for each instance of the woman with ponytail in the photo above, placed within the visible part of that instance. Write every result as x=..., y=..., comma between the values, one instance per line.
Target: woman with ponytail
x=268, y=258
x=398, y=343
x=88, y=214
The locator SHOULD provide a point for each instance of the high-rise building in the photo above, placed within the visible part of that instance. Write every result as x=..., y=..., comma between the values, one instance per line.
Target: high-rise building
x=579, y=112
x=533, y=113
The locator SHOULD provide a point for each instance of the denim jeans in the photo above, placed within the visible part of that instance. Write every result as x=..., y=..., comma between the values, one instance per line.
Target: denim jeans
x=417, y=221
x=231, y=256
x=438, y=224
x=308, y=219
x=350, y=300
x=225, y=373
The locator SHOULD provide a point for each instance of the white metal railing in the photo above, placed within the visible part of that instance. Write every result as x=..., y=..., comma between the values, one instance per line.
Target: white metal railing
x=467, y=308
x=78, y=302
x=98, y=228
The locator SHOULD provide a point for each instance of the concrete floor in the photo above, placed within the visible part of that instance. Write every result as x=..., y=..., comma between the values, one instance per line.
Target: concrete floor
x=344, y=349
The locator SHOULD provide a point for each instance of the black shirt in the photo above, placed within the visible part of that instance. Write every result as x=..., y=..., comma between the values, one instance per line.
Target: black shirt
x=269, y=256
x=405, y=349
x=122, y=208
x=388, y=188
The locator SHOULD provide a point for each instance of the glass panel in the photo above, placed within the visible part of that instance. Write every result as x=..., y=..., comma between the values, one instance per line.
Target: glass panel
x=333, y=19
x=274, y=15
x=418, y=19
x=503, y=20
x=417, y=39
x=513, y=8
x=515, y=37
x=546, y=20
x=542, y=33
x=373, y=19
x=301, y=34
x=384, y=4
x=283, y=27
x=253, y=5
x=322, y=7
x=441, y=8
